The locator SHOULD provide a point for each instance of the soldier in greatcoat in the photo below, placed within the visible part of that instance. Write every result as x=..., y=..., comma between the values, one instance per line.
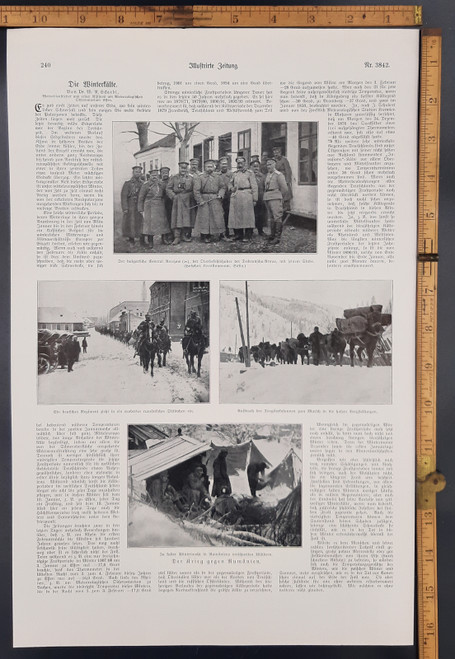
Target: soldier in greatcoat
x=151, y=205
x=164, y=176
x=259, y=210
x=208, y=191
x=275, y=191
x=194, y=171
x=244, y=196
x=226, y=176
x=132, y=219
x=179, y=189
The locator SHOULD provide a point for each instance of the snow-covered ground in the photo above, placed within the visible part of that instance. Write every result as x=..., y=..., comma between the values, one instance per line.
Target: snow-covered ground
x=148, y=527
x=107, y=373
x=294, y=384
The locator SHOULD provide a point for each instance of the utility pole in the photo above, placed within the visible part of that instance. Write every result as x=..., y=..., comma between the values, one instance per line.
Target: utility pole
x=247, y=321
x=246, y=354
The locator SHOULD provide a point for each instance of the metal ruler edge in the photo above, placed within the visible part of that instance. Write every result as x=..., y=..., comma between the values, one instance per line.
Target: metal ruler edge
x=210, y=16
x=429, y=481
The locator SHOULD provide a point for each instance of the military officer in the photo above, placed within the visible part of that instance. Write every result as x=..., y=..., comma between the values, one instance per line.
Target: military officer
x=208, y=191
x=151, y=205
x=283, y=166
x=225, y=176
x=132, y=219
x=259, y=210
x=275, y=191
x=244, y=195
x=164, y=176
x=179, y=189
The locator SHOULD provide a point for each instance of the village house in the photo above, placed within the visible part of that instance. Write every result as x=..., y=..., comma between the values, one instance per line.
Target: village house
x=298, y=141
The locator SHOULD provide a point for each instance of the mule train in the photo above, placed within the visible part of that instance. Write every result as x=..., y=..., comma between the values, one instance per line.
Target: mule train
x=362, y=328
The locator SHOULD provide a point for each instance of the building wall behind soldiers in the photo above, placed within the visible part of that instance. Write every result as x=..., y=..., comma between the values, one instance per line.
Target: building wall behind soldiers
x=157, y=158
x=167, y=300
x=198, y=299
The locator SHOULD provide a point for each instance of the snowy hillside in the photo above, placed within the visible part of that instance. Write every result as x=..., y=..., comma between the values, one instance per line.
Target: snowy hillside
x=271, y=317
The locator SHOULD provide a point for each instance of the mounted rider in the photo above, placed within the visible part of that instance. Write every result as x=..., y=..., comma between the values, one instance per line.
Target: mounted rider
x=145, y=331
x=193, y=328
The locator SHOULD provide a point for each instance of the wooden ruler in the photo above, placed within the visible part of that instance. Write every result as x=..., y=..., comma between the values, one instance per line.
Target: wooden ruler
x=208, y=16
x=429, y=481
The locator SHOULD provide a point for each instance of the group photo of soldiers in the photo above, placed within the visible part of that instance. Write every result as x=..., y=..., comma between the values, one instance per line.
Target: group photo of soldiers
x=192, y=191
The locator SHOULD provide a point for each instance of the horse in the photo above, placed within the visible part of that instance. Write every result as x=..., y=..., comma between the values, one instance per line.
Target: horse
x=303, y=347
x=194, y=346
x=147, y=351
x=164, y=346
x=288, y=351
x=335, y=344
x=366, y=341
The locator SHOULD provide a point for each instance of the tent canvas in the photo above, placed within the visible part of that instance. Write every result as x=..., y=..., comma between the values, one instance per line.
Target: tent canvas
x=288, y=472
x=238, y=458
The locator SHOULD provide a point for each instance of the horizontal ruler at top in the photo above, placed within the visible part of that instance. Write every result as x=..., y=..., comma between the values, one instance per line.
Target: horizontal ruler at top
x=209, y=16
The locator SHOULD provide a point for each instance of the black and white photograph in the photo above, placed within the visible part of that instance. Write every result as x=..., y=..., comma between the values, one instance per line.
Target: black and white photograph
x=235, y=485
x=123, y=342
x=206, y=186
x=302, y=342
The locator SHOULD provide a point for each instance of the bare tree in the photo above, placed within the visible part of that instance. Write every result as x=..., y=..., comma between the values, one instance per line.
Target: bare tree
x=183, y=130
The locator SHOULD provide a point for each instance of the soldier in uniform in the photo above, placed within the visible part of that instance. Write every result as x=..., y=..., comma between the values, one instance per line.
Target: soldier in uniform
x=132, y=219
x=259, y=209
x=151, y=205
x=164, y=176
x=208, y=191
x=283, y=166
x=194, y=172
x=315, y=340
x=275, y=191
x=225, y=176
x=244, y=195
x=193, y=326
x=144, y=331
x=179, y=189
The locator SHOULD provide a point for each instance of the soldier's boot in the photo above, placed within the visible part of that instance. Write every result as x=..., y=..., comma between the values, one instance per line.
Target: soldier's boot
x=248, y=236
x=150, y=243
x=272, y=230
x=142, y=239
x=131, y=241
x=277, y=238
x=177, y=233
x=187, y=235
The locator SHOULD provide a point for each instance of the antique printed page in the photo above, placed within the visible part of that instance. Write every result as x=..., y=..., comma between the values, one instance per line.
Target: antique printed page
x=214, y=240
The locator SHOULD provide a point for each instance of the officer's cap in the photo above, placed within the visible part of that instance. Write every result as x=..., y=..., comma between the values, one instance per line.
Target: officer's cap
x=223, y=159
x=254, y=158
x=240, y=158
x=183, y=162
x=194, y=160
x=137, y=167
x=271, y=160
x=210, y=161
x=165, y=169
x=154, y=171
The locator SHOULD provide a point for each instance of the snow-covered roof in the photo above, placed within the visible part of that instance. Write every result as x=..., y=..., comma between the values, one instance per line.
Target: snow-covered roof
x=164, y=455
x=165, y=142
x=57, y=315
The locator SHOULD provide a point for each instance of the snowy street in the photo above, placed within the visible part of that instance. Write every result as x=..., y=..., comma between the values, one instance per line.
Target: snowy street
x=294, y=384
x=107, y=373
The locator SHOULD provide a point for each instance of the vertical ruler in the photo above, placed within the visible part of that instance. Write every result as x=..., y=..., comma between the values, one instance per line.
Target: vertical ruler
x=428, y=480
